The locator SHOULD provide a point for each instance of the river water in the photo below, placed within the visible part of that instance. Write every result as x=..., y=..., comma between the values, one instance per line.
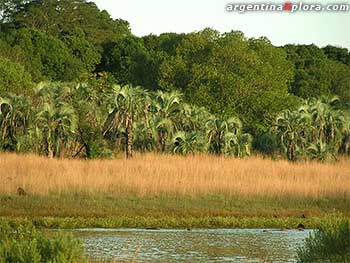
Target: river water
x=197, y=245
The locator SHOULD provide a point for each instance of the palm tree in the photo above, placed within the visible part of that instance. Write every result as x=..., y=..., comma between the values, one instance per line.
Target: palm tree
x=327, y=121
x=224, y=136
x=345, y=131
x=193, y=117
x=244, y=145
x=54, y=91
x=89, y=135
x=15, y=113
x=144, y=137
x=334, y=122
x=166, y=108
x=128, y=104
x=56, y=124
x=55, y=121
x=292, y=129
x=320, y=151
x=315, y=128
x=163, y=129
x=187, y=143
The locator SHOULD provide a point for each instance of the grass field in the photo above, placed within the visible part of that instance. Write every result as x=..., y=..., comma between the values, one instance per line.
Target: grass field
x=165, y=188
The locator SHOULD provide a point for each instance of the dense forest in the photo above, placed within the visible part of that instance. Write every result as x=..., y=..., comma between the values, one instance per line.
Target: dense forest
x=75, y=82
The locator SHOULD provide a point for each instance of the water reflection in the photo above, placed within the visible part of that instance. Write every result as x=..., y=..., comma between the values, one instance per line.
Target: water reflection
x=200, y=245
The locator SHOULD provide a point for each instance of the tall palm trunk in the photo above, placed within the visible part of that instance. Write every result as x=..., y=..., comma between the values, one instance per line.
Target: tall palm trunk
x=88, y=150
x=162, y=141
x=129, y=137
x=291, y=152
x=49, y=149
x=346, y=145
x=332, y=136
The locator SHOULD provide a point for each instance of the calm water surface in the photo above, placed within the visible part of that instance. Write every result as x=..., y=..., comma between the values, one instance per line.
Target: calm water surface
x=199, y=245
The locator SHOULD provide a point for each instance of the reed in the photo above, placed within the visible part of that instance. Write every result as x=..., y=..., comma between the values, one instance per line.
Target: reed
x=154, y=174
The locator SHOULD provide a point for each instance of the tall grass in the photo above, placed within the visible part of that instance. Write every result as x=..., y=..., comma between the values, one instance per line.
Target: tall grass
x=330, y=244
x=153, y=174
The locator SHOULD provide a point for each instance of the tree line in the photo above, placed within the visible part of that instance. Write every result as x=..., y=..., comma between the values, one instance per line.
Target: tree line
x=96, y=119
x=182, y=93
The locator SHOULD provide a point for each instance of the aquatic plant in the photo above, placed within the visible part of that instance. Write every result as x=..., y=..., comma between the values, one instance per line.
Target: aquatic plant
x=329, y=244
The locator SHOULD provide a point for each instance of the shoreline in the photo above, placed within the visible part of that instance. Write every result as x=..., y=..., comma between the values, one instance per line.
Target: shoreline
x=149, y=223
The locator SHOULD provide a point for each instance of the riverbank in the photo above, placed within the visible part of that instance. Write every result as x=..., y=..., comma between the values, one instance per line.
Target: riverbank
x=172, y=192
x=152, y=223
x=169, y=211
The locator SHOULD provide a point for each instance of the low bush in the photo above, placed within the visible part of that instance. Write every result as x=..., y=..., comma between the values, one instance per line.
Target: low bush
x=327, y=245
x=25, y=244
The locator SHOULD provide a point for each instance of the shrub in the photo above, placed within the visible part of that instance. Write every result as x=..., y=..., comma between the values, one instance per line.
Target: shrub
x=330, y=245
x=14, y=78
x=24, y=244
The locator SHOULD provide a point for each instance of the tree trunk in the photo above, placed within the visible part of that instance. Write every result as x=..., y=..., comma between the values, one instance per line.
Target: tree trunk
x=88, y=151
x=291, y=152
x=50, y=153
x=162, y=142
x=347, y=146
x=129, y=138
x=332, y=136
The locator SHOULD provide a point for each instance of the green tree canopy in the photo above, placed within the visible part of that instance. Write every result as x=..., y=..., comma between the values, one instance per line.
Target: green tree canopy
x=13, y=78
x=338, y=54
x=231, y=75
x=129, y=62
x=319, y=72
x=59, y=17
x=46, y=57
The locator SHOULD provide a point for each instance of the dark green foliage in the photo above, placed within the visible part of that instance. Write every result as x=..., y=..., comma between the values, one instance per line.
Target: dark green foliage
x=82, y=50
x=12, y=53
x=327, y=245
x=59, y=40
x=266, y=143
x=340, y=82
x=166, y=43
x=61, y=17
x=230, y=74
x=89, y=134
x=160, y=48
x=138, y=212
x=310, y=71
x=47, y=57
x=337, y=53
x=319, y=71
x=130, y=62
x=14, y=78
x=25, y=244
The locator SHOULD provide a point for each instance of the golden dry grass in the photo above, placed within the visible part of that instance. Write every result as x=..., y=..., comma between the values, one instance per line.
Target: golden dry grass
x=156, y=174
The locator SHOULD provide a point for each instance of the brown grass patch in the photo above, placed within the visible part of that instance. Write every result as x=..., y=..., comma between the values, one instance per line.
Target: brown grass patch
x=157, y=174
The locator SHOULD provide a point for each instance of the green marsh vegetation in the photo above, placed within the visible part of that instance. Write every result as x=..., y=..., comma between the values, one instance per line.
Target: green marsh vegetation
x=331, y=243
x=25, y=244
